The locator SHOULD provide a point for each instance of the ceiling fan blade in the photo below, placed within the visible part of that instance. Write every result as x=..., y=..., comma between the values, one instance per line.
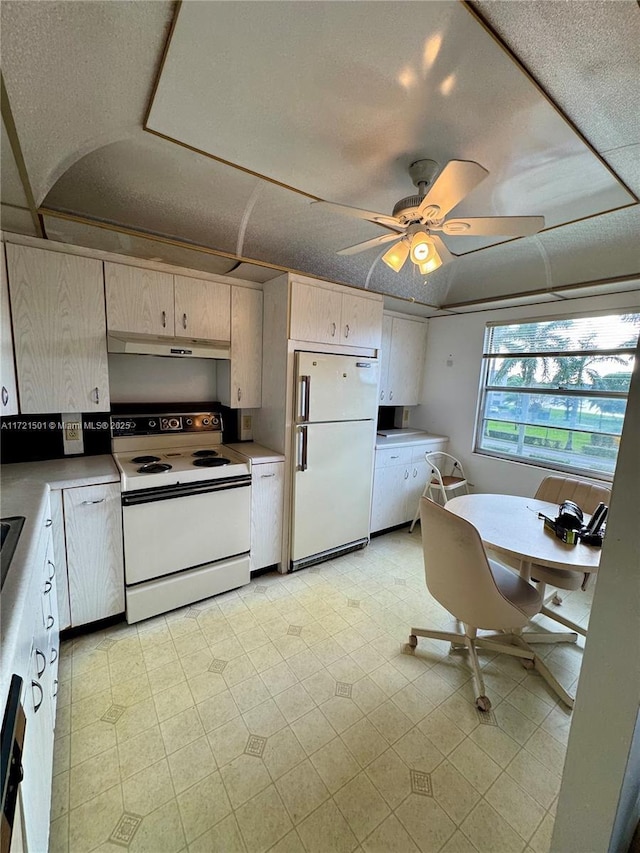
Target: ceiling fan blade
x=454, y=182
x=370, y=215
x=489, y=226
x=368, y=244
x=441, y=249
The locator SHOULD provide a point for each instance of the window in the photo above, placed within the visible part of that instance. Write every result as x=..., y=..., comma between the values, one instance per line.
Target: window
x=554, y=392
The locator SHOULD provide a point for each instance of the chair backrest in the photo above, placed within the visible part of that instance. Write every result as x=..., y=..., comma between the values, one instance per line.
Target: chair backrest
x=586, y=495
x=457, y=571
x=445, y=464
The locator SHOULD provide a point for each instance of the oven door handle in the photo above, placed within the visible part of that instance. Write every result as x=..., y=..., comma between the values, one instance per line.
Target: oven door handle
x=183, y=490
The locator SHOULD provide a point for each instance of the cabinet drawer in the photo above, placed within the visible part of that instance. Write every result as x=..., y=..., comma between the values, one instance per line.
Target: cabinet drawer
x=393, y=456
x=418, y=450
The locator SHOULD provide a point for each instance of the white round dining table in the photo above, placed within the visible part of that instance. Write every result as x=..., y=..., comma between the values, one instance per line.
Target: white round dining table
x=509, y=524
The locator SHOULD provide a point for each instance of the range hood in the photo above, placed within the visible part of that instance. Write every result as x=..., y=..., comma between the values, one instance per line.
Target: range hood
x=125, y=342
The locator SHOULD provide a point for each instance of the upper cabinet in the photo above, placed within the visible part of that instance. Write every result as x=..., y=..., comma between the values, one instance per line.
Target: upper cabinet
x=9, y=397
x=404, y=346
x=57, y=304
x=324, y=315
x=240, y=378
x=146, y=302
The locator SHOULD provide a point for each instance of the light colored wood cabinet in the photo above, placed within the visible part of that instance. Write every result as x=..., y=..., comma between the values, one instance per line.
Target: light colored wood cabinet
x=138, y=300
x=404, y=344
x=60, y=558
x=9, y=392
x=57, y=304
x=240, y=378
x=202, y=309
x=330, y=316
x=361, y=321
x=93, y=533
x=267, y=498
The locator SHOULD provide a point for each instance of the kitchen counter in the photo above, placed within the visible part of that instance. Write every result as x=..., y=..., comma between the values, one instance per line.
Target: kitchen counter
x=256, y=452
x=411, y=437
x=60, y=474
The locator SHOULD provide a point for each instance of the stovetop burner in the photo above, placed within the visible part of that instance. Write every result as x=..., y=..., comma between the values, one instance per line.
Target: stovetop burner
x=154, y=468
x=143, y=460
x=205, y=453
x=210, y=462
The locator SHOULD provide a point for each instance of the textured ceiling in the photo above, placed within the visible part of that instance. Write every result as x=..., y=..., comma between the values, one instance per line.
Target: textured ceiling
x=80, y=76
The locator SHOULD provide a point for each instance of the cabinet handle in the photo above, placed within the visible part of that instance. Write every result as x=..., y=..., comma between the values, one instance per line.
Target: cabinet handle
x=55, y=687
x=52, y=573
x=266, y=476
x=415, y=472
x=164, y=319
x=96, y=394
x=184, y=321
x=40, y=654
x=239, y=394
x=5, y=396
x=36, y=705
x=302, y=465
x=391, y=395
x=406, y=475
x=394, y=457
x=88, y=503
x=48, y=522
x=333, y=330
x=47, y=587
x=54, y=657
x=382, y=395
x=50, y=622
x=346, y=331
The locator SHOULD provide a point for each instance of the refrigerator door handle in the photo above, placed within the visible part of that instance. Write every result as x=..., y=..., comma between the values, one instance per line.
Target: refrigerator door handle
x=302, y=448
x=305, y=387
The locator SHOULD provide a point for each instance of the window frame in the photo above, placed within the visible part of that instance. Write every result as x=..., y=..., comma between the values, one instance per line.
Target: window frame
x=485, y=389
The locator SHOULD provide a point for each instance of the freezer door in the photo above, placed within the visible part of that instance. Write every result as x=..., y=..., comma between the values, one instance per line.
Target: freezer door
x=335, y=387
x=332, y=495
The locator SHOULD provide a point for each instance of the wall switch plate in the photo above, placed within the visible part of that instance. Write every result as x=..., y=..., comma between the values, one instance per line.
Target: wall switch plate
x=72, y=436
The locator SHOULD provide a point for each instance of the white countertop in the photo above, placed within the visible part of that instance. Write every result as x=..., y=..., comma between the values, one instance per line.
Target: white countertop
x=256, y=452
x=411, y=437
x=25, y=491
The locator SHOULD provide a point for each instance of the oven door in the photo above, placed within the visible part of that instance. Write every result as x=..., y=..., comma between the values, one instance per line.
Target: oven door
x=167, y=530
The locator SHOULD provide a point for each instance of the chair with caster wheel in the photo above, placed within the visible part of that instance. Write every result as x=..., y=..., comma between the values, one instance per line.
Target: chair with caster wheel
x=446, y=477
x=480, y=593
x=587, y=496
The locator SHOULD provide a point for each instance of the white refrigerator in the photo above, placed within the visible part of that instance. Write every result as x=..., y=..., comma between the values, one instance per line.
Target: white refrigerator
x=336, y=403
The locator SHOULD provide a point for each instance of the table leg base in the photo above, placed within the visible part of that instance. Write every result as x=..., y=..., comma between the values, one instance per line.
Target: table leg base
x=551, y=614
x=548, y=676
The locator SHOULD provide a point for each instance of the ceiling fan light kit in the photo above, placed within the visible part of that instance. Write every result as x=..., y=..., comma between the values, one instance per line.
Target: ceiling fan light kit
x=416, y=216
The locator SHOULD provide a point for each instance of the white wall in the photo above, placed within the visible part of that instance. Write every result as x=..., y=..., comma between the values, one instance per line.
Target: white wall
x=155, y=379
x=450, y=392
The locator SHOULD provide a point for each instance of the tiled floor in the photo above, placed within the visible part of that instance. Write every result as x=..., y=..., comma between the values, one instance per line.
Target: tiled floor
x=285, y=717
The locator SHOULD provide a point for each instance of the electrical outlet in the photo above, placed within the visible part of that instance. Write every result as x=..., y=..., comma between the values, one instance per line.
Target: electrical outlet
x=72, y=432
x=72, y=437
x=246, y=423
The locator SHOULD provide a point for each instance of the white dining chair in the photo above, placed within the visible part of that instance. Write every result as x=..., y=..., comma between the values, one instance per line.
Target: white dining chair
x=445, y=476
x=480, y=593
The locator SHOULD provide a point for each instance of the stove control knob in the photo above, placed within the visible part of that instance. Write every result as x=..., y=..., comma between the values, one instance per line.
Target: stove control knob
x=189, y=422
x=205, y=422
x=152, y=424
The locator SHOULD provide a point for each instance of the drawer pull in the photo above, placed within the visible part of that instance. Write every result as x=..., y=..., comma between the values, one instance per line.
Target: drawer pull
x=55, y=687
x=394, y=457
x=266, y=476
x=54, y=656
x=391, y=395
x=382, y=395
x=99, y=501
x=5, y=396
x=36, y=705
x=48, y=522
x=40, y=668
x=47, y=587
x=52, y=572
x=50, y=622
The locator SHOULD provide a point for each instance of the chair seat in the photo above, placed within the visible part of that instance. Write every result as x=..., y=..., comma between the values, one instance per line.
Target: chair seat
x=520, y=593
x=560, y=578
x=449, y=481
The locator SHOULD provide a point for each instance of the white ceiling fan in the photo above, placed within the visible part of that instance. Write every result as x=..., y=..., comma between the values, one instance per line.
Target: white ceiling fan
x=415, y=218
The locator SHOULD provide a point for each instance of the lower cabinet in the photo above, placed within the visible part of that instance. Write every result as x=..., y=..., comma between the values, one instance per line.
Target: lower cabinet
x=88, y=540
x=399, y=479
x=267, y=496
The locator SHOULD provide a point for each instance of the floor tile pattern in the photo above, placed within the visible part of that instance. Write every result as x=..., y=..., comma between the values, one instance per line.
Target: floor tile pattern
x=289, y=716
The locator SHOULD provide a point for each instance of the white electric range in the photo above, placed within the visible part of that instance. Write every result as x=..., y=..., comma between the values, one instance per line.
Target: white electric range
x=186, y=510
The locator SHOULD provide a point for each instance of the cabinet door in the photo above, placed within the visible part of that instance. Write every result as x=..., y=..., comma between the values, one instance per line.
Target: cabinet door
x=93, y=521
x=203, y=309
x=57, y=303
x=389, y=497
x=138, y=300
x=267, y=493
x=59, y=558
x=361, y=324
x=9, y=394
x=416, y=482
x=315, y=314
x=246, y=348
x=406, y=362
x=385, y=357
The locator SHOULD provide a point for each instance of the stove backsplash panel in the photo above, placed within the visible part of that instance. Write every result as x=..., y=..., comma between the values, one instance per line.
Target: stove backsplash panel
x=34, y=438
